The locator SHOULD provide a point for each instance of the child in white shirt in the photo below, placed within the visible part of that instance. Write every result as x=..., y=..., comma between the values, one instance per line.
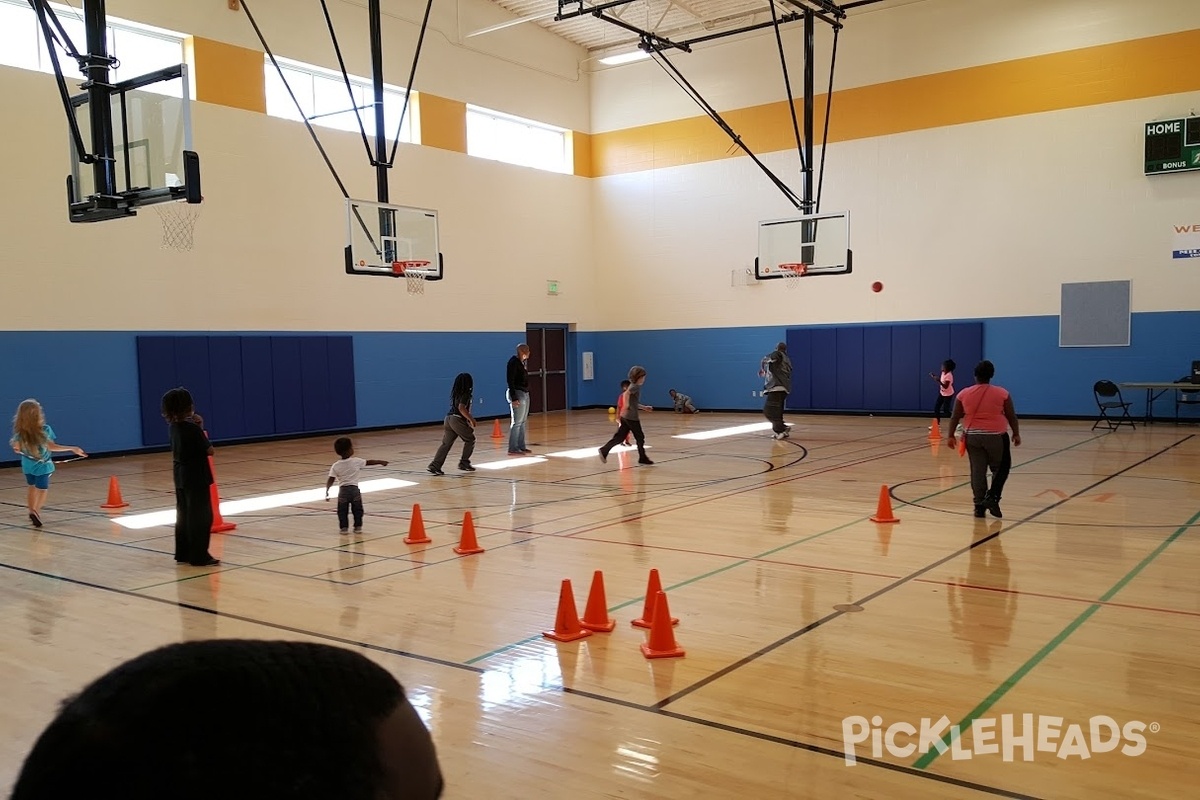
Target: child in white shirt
x=345, y=471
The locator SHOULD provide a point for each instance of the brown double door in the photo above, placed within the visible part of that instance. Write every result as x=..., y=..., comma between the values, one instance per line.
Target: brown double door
x=547, y=367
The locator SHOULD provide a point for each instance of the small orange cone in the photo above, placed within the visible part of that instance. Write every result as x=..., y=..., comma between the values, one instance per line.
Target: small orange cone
x=962, y=445
x=935, y=431
x=595, y=615
x=883, y=513
x=662, y=638
x=219, y=524
x=653, y=588
x=467, y=545
x=114, y=494
x=496, y=432
x=566, y=622
x=416, y=528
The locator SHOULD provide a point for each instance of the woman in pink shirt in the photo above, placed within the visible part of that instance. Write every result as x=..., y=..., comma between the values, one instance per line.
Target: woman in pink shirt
x=986, y=412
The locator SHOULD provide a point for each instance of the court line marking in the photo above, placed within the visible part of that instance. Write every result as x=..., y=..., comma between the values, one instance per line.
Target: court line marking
x=799, y=745
x=772, y=551
x=687, y=690
x=250, y=620
x=931, y=755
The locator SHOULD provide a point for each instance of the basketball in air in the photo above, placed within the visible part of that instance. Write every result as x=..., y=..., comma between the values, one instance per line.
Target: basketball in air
x=612, y=410
x=876, y=287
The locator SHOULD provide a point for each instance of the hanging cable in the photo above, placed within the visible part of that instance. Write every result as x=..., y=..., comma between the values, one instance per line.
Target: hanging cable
x=412, y=76
x=677, y=76
x=346, y=78
x=303, y=118
x=828, y=111
x=787, y=85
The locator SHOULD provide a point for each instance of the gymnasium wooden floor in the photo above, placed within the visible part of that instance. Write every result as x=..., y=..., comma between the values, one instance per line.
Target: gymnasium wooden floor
x=796, y=611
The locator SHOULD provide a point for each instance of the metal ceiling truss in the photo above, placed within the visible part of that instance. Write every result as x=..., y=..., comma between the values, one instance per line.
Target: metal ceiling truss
x=783, y=12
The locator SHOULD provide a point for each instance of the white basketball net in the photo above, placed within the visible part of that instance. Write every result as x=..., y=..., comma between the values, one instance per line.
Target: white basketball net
x=178, y=223
x=791, y=272
x=414, y=274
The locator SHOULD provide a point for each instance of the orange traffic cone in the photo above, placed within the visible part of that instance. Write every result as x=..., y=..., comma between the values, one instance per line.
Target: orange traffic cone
x=496, y=432
x=114, y=494
x=662, y=638
x=219, y=525
x=595, y=615
x=566, y=622
x=653, y=588
x=883, y=513
x=962, y=445
x=935, y=431
x=416, y=528
x=467, y=545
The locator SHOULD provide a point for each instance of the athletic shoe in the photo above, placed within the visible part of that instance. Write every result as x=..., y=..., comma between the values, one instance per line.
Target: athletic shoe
x=980, y=512
x=527, y=452
x=343, y=531
x=645, y=461
x=603, y=456
x=35, y=519
x=211, y=562
x=993, y=506
x=517, y=452
x=435, y=470
x=358, y=531
x=465, y=467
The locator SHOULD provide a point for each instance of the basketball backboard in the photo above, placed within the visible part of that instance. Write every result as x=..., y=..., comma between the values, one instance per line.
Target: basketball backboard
x=820, y=242
x=152, y=148
x=381, y=235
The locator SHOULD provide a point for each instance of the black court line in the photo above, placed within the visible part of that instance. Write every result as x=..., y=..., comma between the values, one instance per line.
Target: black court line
x=240, y=618
x=902, y=581
x=799, y=745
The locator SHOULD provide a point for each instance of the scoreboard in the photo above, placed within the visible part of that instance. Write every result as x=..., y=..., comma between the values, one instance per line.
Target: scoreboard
x=1173, y=145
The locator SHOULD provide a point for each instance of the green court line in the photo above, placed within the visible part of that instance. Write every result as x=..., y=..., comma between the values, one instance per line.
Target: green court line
x=1001, y=690
x=773, y=551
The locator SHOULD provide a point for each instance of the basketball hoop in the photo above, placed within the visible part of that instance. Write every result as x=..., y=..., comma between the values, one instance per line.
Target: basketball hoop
x=792, y=271
x=414, y=274
x=178, y=221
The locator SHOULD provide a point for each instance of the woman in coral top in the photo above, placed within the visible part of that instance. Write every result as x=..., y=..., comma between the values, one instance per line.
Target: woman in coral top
x=986, y=412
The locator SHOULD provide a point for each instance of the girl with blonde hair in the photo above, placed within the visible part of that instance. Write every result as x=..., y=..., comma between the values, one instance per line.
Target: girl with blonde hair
x=33, y=440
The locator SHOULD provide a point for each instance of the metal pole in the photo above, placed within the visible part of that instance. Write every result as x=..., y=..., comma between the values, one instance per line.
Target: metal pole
x=99, y=97
x=386, y=216
x=809, y=37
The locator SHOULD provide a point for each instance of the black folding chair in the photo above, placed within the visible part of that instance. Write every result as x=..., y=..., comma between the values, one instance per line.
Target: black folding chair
x=1104, y=391
x=1185, y=398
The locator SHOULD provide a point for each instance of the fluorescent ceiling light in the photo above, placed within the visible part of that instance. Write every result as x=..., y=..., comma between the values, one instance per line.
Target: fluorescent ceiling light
x=624, y=58
x=721, y=432
x=230, y=508
x=511, y=462
x=592, y=452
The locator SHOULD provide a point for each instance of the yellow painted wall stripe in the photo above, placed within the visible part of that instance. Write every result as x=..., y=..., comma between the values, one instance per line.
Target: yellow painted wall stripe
x=226, y=74
x=1150, y=67
x=581, y=153
x=443, y=122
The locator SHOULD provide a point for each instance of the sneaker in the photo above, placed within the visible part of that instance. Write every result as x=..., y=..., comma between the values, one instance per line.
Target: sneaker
x=210, y=562
x=645, y=461
x=527, y=452
x=435, y=470
x=778, y=436
x=343, y=531
x=980, y=512
x=603, y=456
x=35, y=519
x=993, y=507
x=358, y=530
x=516, y=452
x=465, y=467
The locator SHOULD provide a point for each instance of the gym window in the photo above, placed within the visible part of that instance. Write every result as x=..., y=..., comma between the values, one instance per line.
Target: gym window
x=138, y=48
x=502, y=137
x=324, y=100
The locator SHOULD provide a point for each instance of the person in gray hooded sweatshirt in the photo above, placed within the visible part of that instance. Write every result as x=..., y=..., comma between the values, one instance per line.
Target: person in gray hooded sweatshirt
x=776, y=368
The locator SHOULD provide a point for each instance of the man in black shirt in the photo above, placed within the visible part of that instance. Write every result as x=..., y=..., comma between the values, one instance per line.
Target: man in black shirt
x=518, y=398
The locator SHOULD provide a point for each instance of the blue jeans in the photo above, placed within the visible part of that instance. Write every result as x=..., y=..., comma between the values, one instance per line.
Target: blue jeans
x=520, y=413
